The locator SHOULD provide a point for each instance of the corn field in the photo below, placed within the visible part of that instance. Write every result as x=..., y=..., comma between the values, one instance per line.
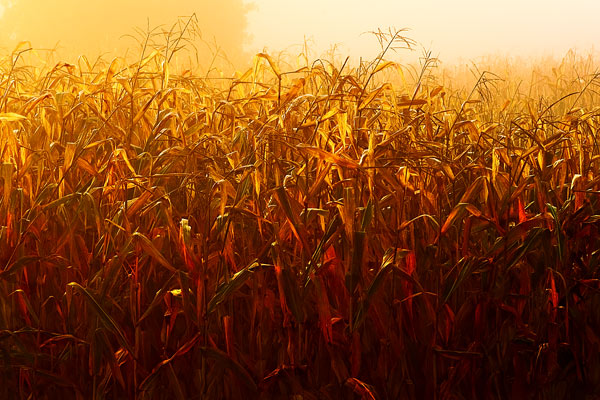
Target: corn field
x=310, y=232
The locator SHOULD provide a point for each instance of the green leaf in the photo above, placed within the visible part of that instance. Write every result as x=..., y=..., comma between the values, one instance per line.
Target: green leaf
x=466, y=267
x=45, y=193
x=285, y=204
x=367, y=216
x=227, y=362
x=386, y=264
x=19, y=265
x=354, y=275
x=175, y=384
x=149, y=247
x=63, y=200
x=237, y=281
x=331, y=229
x=292, y=294
x=532, y=239
x=557, y=230
x=103, y=315
x=155, y=302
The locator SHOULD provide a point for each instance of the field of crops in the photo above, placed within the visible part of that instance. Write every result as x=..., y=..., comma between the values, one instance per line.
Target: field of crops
x=315, y=231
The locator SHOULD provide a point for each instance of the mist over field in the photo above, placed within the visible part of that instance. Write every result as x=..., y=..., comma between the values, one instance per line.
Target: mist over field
x=106, y=27
x=454, y=32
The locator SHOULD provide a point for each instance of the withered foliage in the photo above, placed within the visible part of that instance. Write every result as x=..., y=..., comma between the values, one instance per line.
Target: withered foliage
x=313, y=232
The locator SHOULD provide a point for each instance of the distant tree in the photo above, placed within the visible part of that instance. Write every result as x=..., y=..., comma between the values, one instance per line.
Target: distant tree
x=94, y=27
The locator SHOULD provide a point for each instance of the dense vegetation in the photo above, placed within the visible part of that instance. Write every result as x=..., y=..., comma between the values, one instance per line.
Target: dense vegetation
x=316, y=231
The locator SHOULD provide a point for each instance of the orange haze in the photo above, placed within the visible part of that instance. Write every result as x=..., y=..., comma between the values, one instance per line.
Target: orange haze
x=95, y=27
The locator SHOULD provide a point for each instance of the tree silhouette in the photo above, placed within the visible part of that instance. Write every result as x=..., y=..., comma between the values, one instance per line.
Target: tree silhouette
x=74, y=27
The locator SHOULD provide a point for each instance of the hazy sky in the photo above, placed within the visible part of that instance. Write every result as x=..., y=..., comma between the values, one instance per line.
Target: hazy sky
x=97, y=27
x=453, y=30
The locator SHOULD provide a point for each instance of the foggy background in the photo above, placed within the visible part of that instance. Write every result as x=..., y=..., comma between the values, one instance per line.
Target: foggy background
x=461, y=30
x=458, y=30
x=95, y=27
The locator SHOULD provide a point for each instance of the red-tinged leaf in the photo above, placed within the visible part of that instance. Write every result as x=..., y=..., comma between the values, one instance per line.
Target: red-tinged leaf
x=186, y=347
x=282, y=300
x=324, y=310
x=477, y=320
x=229, y=339
x=513, y=311
x=282, y=370
x=448, y=322
x=522, y=214
x=185, y=242
x=591, y=282
x=347, y=212
x=330, y=253
x=456, y=213
x=298, y=230
x=472, y=191
x=138, y=203
x=578, y=186
x=474, y=211
x=366, y=392
x=24, y=307
x=410, y=262
x=269, y=303
x=553, y=295
x=457, y=354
